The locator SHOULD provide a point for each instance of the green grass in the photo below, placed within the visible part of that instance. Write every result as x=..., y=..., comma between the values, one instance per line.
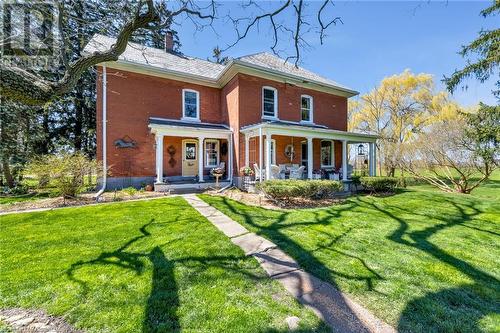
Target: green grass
x=423, y=260
x=150, y=266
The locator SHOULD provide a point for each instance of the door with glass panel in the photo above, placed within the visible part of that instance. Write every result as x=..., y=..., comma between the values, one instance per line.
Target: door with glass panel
x=189, y=158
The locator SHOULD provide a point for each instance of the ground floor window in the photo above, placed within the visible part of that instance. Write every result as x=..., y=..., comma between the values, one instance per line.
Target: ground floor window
x=304, y=154
x=326, y=153
x=211, y=153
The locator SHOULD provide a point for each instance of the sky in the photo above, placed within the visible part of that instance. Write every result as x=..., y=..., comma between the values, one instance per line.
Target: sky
x=376, y=39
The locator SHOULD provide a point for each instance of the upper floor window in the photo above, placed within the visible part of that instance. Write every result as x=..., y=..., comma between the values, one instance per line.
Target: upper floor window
x=190, y=104
x=269, y=102
x=306, y=108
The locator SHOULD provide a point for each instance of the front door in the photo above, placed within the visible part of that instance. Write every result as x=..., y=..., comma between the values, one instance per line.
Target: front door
x=189, y=158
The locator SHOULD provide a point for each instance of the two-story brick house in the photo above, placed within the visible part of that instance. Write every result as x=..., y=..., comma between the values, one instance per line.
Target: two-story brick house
x=163, y=116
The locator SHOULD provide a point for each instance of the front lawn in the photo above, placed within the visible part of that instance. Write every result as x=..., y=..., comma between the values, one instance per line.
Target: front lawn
x=154, y=266
x=422, y=260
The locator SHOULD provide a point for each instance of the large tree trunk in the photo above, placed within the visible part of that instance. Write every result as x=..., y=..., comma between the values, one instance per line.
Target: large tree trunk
x=78, y=119
x=6, y=172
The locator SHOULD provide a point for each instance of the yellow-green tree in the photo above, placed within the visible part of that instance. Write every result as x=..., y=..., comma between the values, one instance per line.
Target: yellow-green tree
x=397, y=110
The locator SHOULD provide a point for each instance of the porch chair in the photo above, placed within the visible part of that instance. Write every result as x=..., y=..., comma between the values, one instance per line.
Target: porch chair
x=297, y=173
x=275, y=172
x=256, y=169
x=222, y=165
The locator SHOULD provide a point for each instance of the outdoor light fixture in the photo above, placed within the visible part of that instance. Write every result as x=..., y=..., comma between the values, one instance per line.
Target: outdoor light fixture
x=361, y=149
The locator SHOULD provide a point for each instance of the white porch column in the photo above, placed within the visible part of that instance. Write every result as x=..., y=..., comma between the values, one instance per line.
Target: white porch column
x=268, y=156
x=371, y=159
x=344, y=160
x=261, y=148
x=310, y=158
x=230, y=158
x=159, y=158
x=247, y=156
x=200, y=158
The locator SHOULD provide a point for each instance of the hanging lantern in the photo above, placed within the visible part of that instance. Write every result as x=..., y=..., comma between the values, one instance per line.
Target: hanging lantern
x=361, y=149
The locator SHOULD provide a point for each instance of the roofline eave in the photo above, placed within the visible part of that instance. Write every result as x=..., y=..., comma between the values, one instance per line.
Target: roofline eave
x=232, y=68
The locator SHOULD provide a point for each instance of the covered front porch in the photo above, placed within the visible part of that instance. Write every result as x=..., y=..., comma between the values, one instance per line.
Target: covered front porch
x=185, y=153
x=282, y=150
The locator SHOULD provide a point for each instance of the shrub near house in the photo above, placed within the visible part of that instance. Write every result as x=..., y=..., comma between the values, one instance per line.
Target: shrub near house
x=310, y=189
x=379, y=184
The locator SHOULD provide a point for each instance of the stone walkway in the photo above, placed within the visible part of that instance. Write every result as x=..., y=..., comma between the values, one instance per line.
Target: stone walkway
x=337, y=309
x=35, y=321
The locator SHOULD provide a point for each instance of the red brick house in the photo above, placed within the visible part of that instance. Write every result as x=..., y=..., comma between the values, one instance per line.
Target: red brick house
x=164, y=117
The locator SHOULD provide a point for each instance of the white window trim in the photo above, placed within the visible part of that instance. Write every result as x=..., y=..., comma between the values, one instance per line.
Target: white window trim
x=205, y=153
x=332, y=152
x=184, y=117
x=275, y=102
x=311, y=111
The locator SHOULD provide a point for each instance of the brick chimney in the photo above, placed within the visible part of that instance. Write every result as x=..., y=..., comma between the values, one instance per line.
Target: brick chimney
x=169, y=41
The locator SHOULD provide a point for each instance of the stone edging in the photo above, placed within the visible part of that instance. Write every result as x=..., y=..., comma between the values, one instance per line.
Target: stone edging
x=85, y=205
x=35, y=321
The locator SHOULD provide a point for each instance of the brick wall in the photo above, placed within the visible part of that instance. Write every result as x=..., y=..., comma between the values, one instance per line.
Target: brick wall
x=132, y=98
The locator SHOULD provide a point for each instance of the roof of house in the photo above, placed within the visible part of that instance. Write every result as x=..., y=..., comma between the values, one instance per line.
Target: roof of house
x=141, y=54
x=272, y=62
x=204, y=69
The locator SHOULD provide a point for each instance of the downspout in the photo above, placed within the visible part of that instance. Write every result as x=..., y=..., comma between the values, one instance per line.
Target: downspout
x=104, y=141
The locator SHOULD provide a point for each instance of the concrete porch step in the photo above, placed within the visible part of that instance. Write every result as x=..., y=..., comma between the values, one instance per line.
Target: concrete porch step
x=188, y=187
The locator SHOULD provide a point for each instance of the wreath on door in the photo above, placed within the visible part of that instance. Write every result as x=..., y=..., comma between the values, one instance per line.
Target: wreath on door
x=289, y=151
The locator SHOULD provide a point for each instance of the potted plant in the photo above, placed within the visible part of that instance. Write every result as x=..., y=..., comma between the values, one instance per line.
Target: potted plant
x=247, y=173
x=217, y=172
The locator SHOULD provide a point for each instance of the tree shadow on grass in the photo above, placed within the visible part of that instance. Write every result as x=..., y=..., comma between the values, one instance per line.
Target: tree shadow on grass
x=338, y=315
x=161, y=307
x=450, y=310
x=160, y=313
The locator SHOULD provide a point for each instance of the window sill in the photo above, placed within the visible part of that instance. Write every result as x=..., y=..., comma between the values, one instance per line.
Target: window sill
x=269, y=118
x=306, y=122
x=194, y=120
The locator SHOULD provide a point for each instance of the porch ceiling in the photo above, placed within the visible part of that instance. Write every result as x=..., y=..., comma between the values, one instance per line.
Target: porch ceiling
x=307, y=131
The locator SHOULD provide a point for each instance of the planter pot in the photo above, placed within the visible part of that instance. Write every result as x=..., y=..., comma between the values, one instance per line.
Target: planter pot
x=149, y=188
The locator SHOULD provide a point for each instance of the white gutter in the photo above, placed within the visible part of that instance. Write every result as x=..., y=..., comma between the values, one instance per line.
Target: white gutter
x=104, y=141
